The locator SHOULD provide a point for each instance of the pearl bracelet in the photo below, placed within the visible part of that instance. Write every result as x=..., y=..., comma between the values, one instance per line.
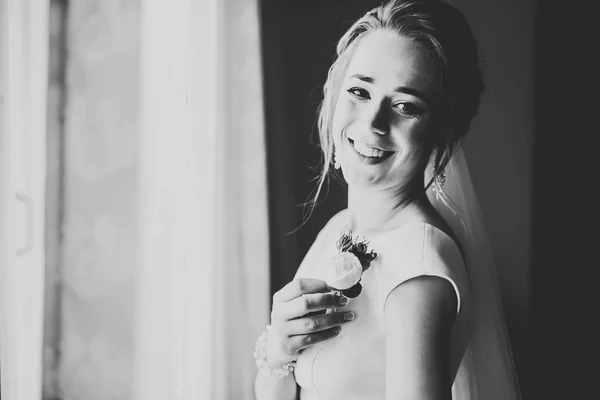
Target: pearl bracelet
x=261, y=357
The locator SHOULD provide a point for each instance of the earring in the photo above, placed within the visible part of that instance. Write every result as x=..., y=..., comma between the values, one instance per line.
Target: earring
x=336, y=163
x=438, y=182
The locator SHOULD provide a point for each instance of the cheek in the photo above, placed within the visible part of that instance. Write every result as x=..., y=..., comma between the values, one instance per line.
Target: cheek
x=421, y=151
x=409, y=132
x=344, y=115
x=415, y=141
x=410, y=138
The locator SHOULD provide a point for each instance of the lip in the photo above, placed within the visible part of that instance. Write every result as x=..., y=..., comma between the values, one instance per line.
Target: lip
x=370, y=160
x=371, y=145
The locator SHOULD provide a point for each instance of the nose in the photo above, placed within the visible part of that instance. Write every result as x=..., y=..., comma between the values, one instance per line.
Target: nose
x=380, y=120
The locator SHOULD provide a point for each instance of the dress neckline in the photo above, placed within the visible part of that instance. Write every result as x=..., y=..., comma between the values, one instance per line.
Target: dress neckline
x=343, y=223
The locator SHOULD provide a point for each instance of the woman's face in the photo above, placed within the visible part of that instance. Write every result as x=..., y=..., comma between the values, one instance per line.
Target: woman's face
x=383, y=111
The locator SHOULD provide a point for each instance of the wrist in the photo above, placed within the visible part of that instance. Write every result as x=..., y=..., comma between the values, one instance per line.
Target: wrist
x=270, y=364
x=274, y=348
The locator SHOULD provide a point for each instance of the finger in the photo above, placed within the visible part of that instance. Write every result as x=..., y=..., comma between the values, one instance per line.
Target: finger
x=300, y=306
x=320, y=312
x=300, y=286
x=308, y=325
x=300, y=342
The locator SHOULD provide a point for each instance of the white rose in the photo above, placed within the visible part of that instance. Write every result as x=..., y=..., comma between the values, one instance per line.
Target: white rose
x=345, y=272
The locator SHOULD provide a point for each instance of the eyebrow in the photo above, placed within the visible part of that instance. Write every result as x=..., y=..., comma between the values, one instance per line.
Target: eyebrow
x=399, y=89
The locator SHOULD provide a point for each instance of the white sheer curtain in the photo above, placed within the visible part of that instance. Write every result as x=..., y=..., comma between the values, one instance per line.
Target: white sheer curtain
x=194, y=157
x=202, y=276
x=23, y=81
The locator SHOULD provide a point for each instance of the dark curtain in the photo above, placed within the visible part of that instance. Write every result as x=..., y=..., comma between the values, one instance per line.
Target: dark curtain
x=298, y=39
x=565, y=176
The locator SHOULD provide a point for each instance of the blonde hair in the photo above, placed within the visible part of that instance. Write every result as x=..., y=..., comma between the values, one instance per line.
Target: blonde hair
x=441, y=30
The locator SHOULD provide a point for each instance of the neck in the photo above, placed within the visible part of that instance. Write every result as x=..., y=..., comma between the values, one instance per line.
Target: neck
x=374, y=211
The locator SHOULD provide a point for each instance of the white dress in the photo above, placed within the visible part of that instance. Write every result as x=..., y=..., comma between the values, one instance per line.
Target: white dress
x=352, y=365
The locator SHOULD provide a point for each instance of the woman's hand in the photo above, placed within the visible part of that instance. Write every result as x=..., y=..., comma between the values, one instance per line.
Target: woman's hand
x=298, y=319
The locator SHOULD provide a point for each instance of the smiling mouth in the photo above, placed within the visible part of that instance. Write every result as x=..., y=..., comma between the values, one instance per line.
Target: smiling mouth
x=368, y=154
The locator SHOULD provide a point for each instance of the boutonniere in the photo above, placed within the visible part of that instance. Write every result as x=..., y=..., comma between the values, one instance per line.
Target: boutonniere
x=353, y=258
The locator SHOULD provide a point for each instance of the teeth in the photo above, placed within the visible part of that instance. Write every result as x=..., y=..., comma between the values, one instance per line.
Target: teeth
x=367, y=151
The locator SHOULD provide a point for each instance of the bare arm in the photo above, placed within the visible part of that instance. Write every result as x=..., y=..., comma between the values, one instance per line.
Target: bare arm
x=419, y=314
x=297, y=323
x=271, y=387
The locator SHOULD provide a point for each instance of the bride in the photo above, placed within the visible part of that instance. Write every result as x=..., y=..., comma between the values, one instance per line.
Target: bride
x=397, y=297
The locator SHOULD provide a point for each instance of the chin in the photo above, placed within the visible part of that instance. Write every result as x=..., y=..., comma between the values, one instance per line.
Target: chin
x=378, y=177
x=359, y=174
x=364, y=180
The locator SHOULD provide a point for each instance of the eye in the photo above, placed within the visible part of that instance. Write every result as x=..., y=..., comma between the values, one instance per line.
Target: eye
x=359, y=93
x=407, y=108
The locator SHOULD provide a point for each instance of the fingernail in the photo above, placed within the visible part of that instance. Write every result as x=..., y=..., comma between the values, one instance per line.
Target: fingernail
x=348, y=316
x=343, y=301
x=337, y=329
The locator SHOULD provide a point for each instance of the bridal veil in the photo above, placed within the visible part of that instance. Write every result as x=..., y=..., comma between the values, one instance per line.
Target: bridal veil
x=487, y=370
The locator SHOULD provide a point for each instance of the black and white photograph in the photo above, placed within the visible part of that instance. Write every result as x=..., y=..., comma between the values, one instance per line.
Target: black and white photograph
x=297, y=200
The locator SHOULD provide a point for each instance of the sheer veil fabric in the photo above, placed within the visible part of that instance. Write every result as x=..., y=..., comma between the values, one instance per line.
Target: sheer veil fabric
x=487, y=370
